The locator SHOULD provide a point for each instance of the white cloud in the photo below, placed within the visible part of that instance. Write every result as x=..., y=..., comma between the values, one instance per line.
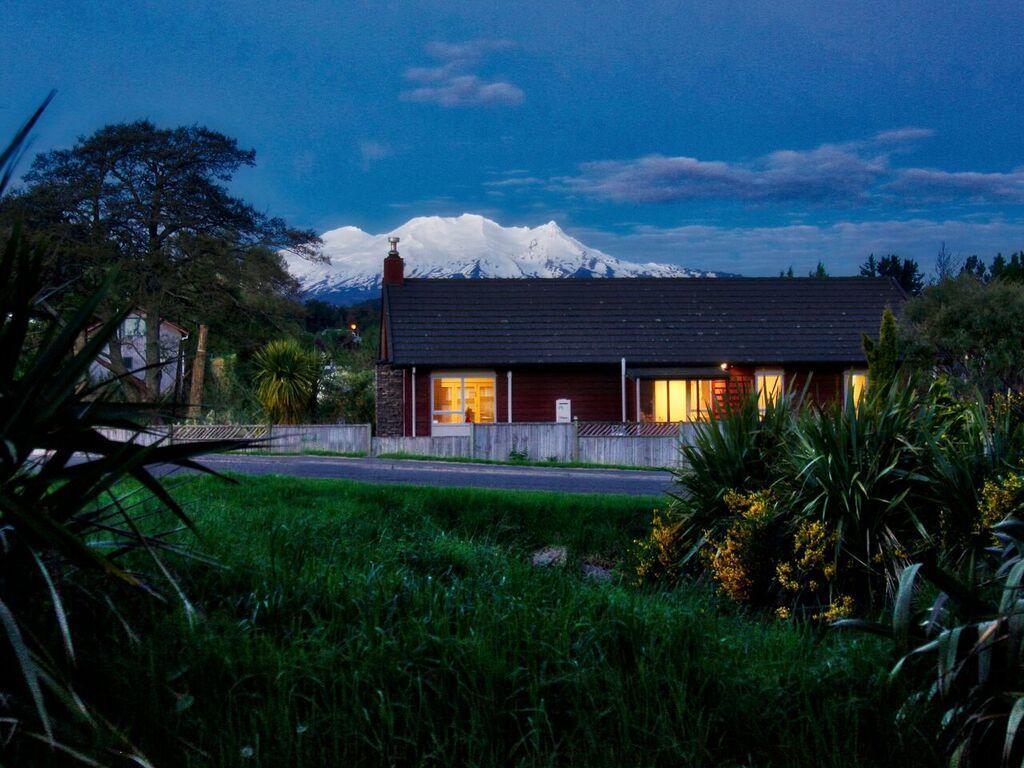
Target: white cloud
x=468, y=49
x=467, y=91
x=853, y=172
x=899, y=135
x=515, y=181
x=829, y=172
x=433, y=74
x=842, y=246
x=974, y=186
x=452, y=83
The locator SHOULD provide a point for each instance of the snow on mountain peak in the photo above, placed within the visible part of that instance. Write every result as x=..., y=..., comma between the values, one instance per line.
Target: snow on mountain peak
x=469, y=245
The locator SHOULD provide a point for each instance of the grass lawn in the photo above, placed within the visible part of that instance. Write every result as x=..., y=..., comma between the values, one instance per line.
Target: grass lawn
x=355, y=625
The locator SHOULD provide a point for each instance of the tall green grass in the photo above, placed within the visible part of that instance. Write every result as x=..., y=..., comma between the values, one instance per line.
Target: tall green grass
x=368, y=625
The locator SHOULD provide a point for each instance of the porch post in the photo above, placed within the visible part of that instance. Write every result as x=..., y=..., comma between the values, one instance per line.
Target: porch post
x=414, y=401
x=623, y=390
x=509, y=395
x=636, y=383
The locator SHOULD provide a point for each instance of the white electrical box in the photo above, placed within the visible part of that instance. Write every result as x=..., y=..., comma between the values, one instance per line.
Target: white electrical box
x=563, y=411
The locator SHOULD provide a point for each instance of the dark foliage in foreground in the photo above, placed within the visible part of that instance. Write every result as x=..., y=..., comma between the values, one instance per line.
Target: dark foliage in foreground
x=65, y=531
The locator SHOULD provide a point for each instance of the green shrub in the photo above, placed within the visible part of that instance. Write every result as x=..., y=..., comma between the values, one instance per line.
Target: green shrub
x=962, y=650
x=848, y=494
x=861, y=469
x=287, y=380
x=737, y=450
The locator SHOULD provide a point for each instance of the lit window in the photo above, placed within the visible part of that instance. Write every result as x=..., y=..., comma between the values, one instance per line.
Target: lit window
x=698, y=400
x=855, y=385
x=674, y=400
x=769, y=388
x=463, y=399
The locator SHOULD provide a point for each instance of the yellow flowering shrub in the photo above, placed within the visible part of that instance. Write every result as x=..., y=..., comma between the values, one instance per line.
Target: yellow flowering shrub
x=809, y=575
x=659, y=556
x=840, y=608
x=1000, y=498
x=741, y=561
x=811, y=564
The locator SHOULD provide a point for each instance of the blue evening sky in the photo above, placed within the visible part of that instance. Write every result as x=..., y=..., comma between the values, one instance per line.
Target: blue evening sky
x=741, y=136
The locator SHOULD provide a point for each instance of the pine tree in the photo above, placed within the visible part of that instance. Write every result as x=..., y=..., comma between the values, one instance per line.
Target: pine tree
x=884, y=355
x=906, y=272
x=870, y=267
x=154, y=204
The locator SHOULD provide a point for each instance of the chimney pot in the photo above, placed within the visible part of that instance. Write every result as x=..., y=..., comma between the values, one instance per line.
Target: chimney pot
x=394, y=266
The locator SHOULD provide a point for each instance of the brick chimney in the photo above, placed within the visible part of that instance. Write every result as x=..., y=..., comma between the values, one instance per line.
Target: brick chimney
x=394, y=267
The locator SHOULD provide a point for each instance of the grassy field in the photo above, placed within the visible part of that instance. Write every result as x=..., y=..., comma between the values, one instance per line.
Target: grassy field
x=366, y=625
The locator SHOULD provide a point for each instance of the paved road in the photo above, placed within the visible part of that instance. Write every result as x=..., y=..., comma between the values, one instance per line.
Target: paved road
x=448, y=474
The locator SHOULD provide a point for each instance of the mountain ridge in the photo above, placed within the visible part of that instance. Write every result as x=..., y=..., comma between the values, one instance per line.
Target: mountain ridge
x=469, y=246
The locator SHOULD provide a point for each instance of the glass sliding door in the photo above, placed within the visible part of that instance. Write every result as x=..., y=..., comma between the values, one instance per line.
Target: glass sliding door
x=673, y=400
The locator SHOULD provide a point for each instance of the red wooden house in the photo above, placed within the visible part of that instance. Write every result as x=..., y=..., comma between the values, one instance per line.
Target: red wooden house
x=454, y=351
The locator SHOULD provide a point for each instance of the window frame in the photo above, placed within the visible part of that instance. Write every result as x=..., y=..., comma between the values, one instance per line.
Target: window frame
x=759, y=375
x=462, y=376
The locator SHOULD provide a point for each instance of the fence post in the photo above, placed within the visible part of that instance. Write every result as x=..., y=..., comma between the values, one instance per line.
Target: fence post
x=369, y=440
x=575, y=440
x=472, y=440
x=170, y=434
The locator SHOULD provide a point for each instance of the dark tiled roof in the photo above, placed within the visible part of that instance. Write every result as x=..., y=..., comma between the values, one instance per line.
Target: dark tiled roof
x=649, y=321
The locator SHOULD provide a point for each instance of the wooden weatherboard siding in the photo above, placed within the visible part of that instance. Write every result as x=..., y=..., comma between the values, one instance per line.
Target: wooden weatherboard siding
x=595, y=391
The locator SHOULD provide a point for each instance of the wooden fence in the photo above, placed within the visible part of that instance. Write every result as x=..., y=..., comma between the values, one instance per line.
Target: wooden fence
x=635, y=445
x=654, y=445
x=300, y=438
x=537, y=442
x=148, y=437
x=592, y=443
x=333, y=438
x=449, y=447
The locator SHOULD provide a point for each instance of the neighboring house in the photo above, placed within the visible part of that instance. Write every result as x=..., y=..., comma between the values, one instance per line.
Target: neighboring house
x=617, y=350
x=132, y=338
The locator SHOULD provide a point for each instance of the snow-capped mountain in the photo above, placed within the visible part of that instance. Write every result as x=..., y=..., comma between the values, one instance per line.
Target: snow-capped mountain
x=468, y=246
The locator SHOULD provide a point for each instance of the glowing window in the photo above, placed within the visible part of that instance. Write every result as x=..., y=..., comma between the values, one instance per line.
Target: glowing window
x=463, y=399
x=856, y=385
x=769, y=388
x=673, y=400
x=660, y=394
x=698, y=401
